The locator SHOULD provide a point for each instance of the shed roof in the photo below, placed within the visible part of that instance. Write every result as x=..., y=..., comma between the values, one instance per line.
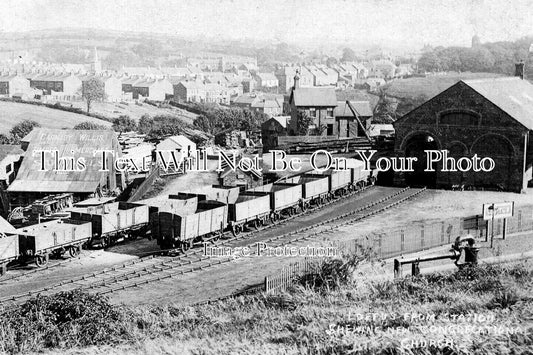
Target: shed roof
x=314, y=96
x=180, y=140
x=361, y=107
x=512, y=95
x=68, y=143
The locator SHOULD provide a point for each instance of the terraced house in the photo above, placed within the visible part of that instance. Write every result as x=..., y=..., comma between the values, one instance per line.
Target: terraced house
x=13, y=84
x=61, y=86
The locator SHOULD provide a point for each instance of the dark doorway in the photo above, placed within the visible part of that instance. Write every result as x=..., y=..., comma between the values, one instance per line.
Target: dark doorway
x=415, y=147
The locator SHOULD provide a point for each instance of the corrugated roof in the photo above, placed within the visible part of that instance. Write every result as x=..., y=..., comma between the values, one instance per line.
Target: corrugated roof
x=361, y=107
x=314, y=96
x=68, y=143
x=512, y=95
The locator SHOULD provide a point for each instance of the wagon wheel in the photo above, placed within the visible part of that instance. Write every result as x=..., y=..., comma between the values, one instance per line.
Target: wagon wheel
x=257, y=224
x=41, y=260
x=184, y=246
x=237, y=229
x=273, y=217
x=74, y=251
x=304, y=206
x=134, y=234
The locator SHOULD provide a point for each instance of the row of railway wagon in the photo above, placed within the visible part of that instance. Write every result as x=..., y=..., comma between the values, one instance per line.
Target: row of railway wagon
x=177, y=221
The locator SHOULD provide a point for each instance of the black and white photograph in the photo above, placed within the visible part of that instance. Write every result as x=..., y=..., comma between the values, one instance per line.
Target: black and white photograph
x=266, y=177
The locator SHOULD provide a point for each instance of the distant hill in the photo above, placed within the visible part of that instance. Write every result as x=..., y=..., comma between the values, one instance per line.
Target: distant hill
x=429, y=86
x=12, y=113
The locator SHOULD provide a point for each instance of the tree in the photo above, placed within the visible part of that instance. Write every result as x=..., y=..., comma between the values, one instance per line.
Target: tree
x=22, y=129
x=124, y=124
x=146, y=123
x=331, y=61
x=348, y=55
x=385, y=110
x=166, y=125
x=4, y=139
x=203, y=123
x=88, y=125
x=93, y=90
x=303, y=121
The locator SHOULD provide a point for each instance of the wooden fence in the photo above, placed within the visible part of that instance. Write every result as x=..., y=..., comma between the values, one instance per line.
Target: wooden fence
x=408, y=239
x=286, y=276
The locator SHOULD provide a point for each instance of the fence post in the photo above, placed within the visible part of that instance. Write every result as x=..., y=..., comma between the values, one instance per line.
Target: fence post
x=422, y=244
x=402, y=241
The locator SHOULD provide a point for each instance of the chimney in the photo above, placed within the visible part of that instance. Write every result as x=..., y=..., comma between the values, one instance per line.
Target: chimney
x=519, y=69
x=297, y=79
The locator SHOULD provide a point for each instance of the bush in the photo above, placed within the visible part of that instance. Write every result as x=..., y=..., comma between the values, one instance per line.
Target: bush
x=332, y=273
x=66, y=319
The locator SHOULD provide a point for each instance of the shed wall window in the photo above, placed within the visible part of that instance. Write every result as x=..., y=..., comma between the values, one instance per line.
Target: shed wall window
x=459, y=118
x=312, y=112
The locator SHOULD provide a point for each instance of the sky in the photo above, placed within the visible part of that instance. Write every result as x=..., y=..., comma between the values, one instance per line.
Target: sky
x=380, y=22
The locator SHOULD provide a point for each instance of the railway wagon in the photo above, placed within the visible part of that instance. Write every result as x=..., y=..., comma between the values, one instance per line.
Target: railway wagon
x=40, y=240
x=115, y=222
x=315, y=188
x=225, y=194
x=250, y=208
x=9, y=250
x=208, y=222
x=181, y=204
x=362, y=177
x=284, y=197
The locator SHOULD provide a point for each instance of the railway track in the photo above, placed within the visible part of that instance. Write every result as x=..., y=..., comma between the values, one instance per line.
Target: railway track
x=227, y=236
x=150, y=269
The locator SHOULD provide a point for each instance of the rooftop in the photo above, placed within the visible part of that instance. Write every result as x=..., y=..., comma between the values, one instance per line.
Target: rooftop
x=314, y=96
x=513, y=95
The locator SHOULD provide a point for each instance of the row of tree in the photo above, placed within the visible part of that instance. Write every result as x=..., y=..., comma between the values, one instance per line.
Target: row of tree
x=498, y=57
x=216, y=120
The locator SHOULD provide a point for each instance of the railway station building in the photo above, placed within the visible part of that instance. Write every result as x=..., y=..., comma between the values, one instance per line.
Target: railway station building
x=488, y=117
x=62, y=172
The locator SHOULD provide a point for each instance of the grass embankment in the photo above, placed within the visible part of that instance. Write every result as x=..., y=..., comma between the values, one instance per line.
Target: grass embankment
x=325, y=314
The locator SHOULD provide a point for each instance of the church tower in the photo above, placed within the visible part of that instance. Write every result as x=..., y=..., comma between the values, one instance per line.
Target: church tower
x=96, y=65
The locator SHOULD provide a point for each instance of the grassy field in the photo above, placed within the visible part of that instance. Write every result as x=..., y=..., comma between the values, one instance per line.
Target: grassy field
x=429, y=86
x=486, y=310
x=12, y=113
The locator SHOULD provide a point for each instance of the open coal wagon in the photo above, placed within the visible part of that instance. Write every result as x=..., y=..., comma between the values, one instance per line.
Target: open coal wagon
x=114, y=222
x=40, y=241
x=183, y=231
x=284, y=198
x=252, y=208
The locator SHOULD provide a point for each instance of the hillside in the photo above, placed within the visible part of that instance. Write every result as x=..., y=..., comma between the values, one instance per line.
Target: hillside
x=430, y=86
x=12, y=113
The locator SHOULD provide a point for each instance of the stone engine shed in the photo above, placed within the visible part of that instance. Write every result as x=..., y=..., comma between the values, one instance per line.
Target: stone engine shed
x=488, y=117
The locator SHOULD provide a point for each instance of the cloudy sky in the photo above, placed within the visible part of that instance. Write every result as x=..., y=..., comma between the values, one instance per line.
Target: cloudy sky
x=384, y=22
